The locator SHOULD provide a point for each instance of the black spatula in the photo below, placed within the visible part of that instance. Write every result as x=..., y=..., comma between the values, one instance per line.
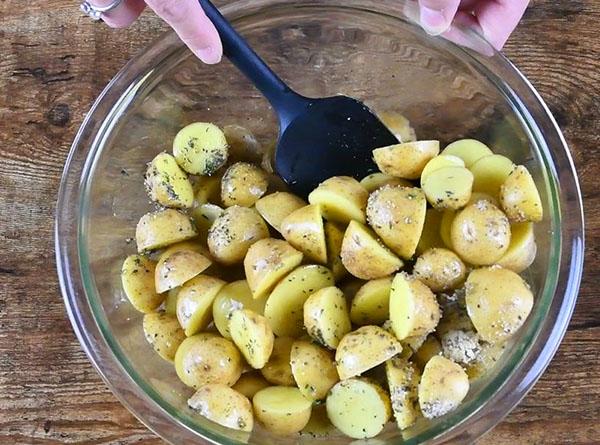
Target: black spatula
x=318, y=138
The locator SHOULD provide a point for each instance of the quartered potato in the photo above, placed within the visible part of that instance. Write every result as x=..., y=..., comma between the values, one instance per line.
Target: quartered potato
x=441, y=161
x=278, y=370
x=377, y=180
x=326, y=316
x=207, y=189
x=274, y=208
x=440, y=269
x=520, y=197
x=178, y=264
x=406, y=160
x=200, y=148
x=223, y=405
x=403, y=380
x=399, y=125
x=231, y=297
x=164, y=334
x=313, y=369
x=252, y=335
x=303, y=229
x=334, y=236
x=342, y=199
x=444, y=384
x=161, y=228
x=281, y=409
x=446, y=227
x=461, y=346
x=194, y=303
x=243, y=145
x=204, y=215
x=430, y=348
x=490, y=172
x=167, y=184
x=137, y=278
x=522, y=248
x=371, y=303
x=250, y=383
x=243, y=184
x=430, y=236
x=448, y=187
x=469, y=150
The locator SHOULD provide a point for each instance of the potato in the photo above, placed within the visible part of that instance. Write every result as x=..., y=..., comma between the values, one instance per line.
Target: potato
x=207, y=189
x=275, y=207
x=522, y=248
x=410, y=345
x=233, y=232
x=284, y=307
x=444, y=384
x=413, y=307
x=231, y=297
x=137, y=279
x=303, y=229
x=167, y=184
x=207, y=358
x=398, y=125
x=397, y=214
x=178, y=264
x=448, y=187
x=243, y=145
x=164, y=334
x=478, y=196
x=454, y=317
x=430, y=236
x=371, y=303
x=223, y=405
x=170, y=303
x=278, y=370
x=440, y=269
x=446, y=227
x=267, y=261
x=364, y=256
x=430, y=348
x=281, y=409
x=520, y=198
x=243, y=184
x=319, y=424
x=403, y=380
x=469, y=150
x=377, y=180
x=406, y=160
x=326, y=316
x=440, y=161
x=161, y=228
x=252, y=335
x=334, y=236
x=250, y=383
x=461, y=346
x=498, y=302
x=489, y=355
x=200, y=148
x=313, y=369
x=204, y=215
x=358, y=408
x=490, y=172
x=342, y=199
x=194, y=303
x=480, y=233
x=363, y=349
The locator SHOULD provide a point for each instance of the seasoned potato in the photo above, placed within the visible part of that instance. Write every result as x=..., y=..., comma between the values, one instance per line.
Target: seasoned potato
x=275, y=207
x=194, y=303
x=490, y=172
x=284, y=307
x=204, y=215
x=200, y=148
x=397, y=214
x=252, y=335
x=441, y=161
x=398, y=125
x=207, y=189
x=377, y=180
x=268, y=261
x=410, y=345
x=303, y=229
x=313, y=369
x=363, y=349
x=403, y=380
x=520, y=197
x=243, y=145
x=207, y=358
x=358, y=408
x=522, y=248
x=413, y=307
x=233, y=232
x=446, y=227
x=480, y=233
x=278, y=370
x=488, y=356
x=406, y=160
x=178, y=264
x=371, y=303
x=498, y=302
x=334, y=236
x=342, y=199
x=243, y=184
x=364, y=256
x=430, y=348
x=161, y=228
x=326, y=316
x=281, y=409
x=231, y=297
x=448, y=187
x=223, y=405
x=444, y=384
x=137, y=279
x=454, y=317
x=478, y=196
x=170, y=303
x=250, y=383
x=469, y=150
x=430, y=236
x=167, y=184
x=164, y=333
x=319, y=424
x=461, y=346
x=440, y=269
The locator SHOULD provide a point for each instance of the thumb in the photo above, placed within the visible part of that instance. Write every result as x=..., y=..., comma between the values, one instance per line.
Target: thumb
x=436, y=15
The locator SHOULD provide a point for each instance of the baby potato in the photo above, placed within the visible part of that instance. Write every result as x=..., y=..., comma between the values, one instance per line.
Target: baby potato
x=454, y=317
x=167, y=184
x=448, y=187
x=231, y=297
x=399, y=125
x=252, y=335
x=498, y=302
x=440, y=161
x=440, y=269
x=461, y=346
x=522, y=248
x=233, y=232
x=163, y=332
x=200, y=148
x=371, y=303
x=303, y=229
x=204, y=215
x=413, y=307
x=410, y=345
x=358, y=408
x=444, y=384
x=326, y=316
x=520, y=197
x=284, y=307
x=161, y=228
x=490, y=172
x=274, y=208
x=406, y=160
x=430, y=236
x=170, y=303
x=207, y=358
x=334, y=236
x=243, y=184
x=489, y=355
x=137, y=279
x=319, y=424
x=430, y=348
x=478, y=196
x=243, y=145
x=364, y=256
x=207, y=189
x=223, y=405
x=250, y=383
x=194, y=303
x=397, y=214
x=278, y=370
x=268, y=261
x=281, y=409
x=480, y=233
x=403, y=380
x=178, y=264
x=342, y=199
x=350, y=287
x=377, y=180
x=313, y=369
x=446, y=227
x=469, y=150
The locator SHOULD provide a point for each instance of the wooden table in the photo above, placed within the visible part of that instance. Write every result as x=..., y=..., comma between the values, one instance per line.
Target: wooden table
x=53, y=63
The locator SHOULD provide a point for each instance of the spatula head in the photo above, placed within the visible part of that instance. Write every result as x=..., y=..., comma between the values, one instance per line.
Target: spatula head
x=329, y=137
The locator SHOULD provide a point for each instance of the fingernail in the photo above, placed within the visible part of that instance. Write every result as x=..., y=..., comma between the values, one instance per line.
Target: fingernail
x=209, y=55
x=432, y=21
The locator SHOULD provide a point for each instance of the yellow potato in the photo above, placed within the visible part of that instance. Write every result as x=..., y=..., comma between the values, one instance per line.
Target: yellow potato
x=461, y=346
x=170, y=303
x=522, y=248
x=303, y=229
x=194, y=303
x=377, y=180
x=204, y=215
x=350, y=287
x=406, y=160
x=490, y=172
x=454, y=317
x=284, y=307
x=430, y=236
x=223, y=405
x=342, y=199
x=250, y=383
x=319, y=424
x=469, y=150
x=161, y=228
x=200, y=148
x=520, y=197
x=446, y=227
x=275, y=207
x=371, y=303
x=326, y=316
x=334, y=236
x=243, y=184
x=489, y=355
x=448, y=187
x=363, y=349
x=364, y=256
x=252, y=335
x=313, y=369
x=137, y=279
x=178, y=264
x=208, y=189
x=281, y=409
x=430, y=348
x=403, y=380
x=443, y=386
x=243, y=145
x=164, y=334
x=167, y=184
x=278, y=370
x=398, y=125
x=231, y=297
x=478, y=196
x=441, y=161
x=440, y=269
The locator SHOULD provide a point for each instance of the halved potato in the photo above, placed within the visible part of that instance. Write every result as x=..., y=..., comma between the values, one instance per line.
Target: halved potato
x=446, y=227
x=178, y=264
x=303, y=229
x=399, y=125
x=406, y=160
x=167, y=184
x=522, y=248
x=319, y=424
x=163, y=332
x=469, y=150
x=207, y=189
x=313, y=369
x=282, y=409
x=448, y=187
x=441, y=161
x=243, y=145
x=326, y=316
x=137, y=279
x=377, y=180
x=429, y=348
x=194, y=303
x=444, y=384
x=440, y=269
x=170, y=303
x=403, y=380
x=489, y=356
x=275, y=207
x=223, y=405
x=430, y=236
x=520, y=197
x=334, y=235
x=278, y=370
x=250, y=383
x=371, y=303
x=204, y=215
x=341, y=198
x=161, y=228
x=243, y=184
x=200, y=148
x=252, y=335
x=490, y=172
x=461, y=346
x=231, y=297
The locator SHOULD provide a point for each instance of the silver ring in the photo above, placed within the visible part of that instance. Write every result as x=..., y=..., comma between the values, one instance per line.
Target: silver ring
x=95, y=12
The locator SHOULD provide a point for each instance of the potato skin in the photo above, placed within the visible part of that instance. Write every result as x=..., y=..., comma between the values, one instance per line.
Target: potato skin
x=438, y=162
x=377, y=180
x=178, y=264
x=490, y=172
x=403, y=380
x=243, y=145
x=167, y=184
x=278, y=370
x=163, y=332
x=444, y=384
x=520, y=197
x=250, y=383
x=469, y=150
x=313, y=369
x=161, y=228
x=200, y=148
x=341, y=198
x=137, y=279
x=334, y=235
x=233, y=296
x=275, y=207
x=281, y=409
x=406, y=160
x=243, y=184
x=440, y=269
x=326, y=316
x=522, y=249
x=223, y=405
x=448, y=187
x=194, y=303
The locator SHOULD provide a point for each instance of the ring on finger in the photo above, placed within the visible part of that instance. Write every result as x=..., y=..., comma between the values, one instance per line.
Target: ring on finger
x=95, y=12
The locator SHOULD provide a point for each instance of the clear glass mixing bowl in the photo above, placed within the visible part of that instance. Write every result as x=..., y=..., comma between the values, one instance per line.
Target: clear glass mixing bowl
x=362, y=48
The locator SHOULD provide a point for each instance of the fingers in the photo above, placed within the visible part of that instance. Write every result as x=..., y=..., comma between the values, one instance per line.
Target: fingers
x=499, y=18
x=436, y=15
x=123, y=15
x=192, y=26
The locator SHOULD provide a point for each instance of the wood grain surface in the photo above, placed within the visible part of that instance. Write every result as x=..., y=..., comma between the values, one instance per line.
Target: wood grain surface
x=53, y=63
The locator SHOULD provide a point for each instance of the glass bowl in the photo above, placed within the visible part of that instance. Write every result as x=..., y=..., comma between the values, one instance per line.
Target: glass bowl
x=365, y=49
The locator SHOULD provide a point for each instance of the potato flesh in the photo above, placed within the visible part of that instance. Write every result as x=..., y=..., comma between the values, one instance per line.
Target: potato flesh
x=177, y=265
x=342, y=199
x=223, y=405
x=440, y=269
x=399, y=125
x=377, y=180
x=281, y=409
x=520, y=198
x=403, y=380
x=371, y=303
x=243, y=184
x=406, y=160
x=274, y=208
x=303, y=229
x=161, y=228
x=469, y=150
x=441, y=161
x=163, y=333
x=430, y=348
x=278, y=370
x=167, y=184
x=326, y=316
x=448, y=187
x=522, y=248
x=444, y=384
x=137, y=279
x=200, y=148
x=250, y=383
x=204, y=215
x=252, y=335
x=194, y=303
x=334, y=236
x=231, y=297
x=313, y=369
x=490, y=172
